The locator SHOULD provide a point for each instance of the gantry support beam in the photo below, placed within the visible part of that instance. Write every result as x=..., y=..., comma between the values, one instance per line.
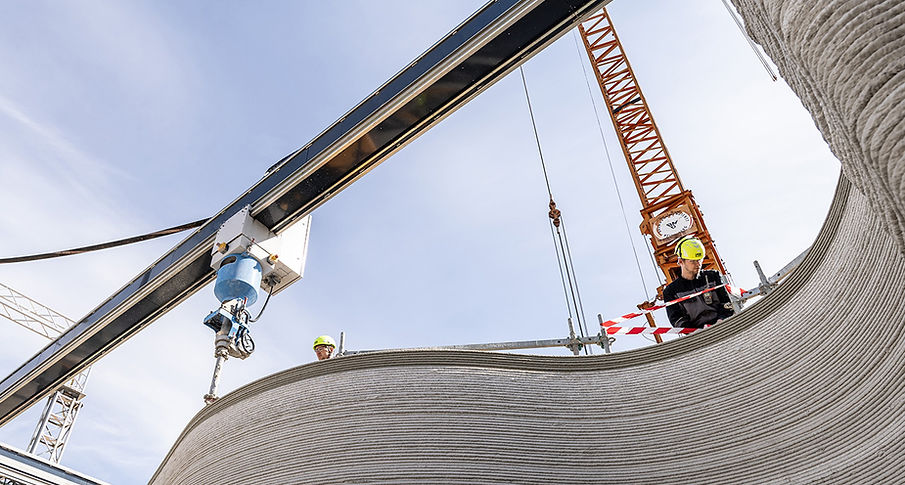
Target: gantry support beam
x=62, y=408
x=493, y=41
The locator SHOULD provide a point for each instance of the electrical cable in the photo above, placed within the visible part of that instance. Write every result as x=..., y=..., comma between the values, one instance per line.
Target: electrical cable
x=269, y=294
x=107, y=245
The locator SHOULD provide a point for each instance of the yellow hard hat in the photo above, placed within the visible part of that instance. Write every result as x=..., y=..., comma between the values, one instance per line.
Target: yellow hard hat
x=325, y=340
x=690, y=247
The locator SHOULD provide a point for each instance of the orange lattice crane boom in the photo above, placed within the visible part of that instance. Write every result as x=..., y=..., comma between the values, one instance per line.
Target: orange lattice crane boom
x=668, y=209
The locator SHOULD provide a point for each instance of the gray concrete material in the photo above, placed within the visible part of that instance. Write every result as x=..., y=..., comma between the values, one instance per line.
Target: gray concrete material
x=807, y=386
x=845, y=59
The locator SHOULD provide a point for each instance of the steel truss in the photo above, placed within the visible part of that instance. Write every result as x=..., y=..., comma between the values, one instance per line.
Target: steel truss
x=52, y=433
x=656, y=179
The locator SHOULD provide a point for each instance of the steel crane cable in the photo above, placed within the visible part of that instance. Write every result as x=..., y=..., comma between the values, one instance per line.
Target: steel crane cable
x=583, y=324
x=557, y=229
x=741, y=29
x=606, y=151
x=106, y=245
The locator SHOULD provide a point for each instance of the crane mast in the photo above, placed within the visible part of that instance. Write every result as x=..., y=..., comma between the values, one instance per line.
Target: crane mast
x=668, y=210
x=53, y=429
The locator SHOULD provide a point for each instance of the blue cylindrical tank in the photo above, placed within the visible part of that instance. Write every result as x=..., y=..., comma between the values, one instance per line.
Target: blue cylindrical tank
x=238, y=278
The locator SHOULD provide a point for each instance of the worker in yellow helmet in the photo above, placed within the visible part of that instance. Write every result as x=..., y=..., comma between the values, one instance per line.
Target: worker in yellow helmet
x=324, y=347
x=702, y=310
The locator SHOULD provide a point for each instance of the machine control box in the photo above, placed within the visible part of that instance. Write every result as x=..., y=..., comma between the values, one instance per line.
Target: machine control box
x=282, y=256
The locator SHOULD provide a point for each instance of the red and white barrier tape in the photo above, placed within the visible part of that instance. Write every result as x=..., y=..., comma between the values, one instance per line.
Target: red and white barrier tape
x=650, y=330
x=629, y=316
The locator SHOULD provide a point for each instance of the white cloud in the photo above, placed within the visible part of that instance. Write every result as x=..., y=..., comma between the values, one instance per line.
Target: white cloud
x=30, y=146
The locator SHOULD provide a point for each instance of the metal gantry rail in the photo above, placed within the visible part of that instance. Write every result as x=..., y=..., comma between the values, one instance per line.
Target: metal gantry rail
x=481, y=50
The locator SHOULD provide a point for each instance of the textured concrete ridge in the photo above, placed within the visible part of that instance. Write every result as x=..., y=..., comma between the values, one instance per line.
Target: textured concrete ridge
x=845, y=59
x=807, y=386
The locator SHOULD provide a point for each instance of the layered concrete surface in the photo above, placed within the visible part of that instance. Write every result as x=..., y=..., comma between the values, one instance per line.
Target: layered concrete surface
x=845, y=59
x=806, y=386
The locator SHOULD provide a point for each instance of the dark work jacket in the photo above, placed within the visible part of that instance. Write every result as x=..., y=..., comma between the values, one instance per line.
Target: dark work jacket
x=701, y=310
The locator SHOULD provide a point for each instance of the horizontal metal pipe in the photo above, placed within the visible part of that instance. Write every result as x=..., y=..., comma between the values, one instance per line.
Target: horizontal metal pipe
x=522, y=344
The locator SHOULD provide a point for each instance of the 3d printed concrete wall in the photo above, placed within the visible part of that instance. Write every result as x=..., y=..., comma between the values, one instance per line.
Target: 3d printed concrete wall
x=807, y=386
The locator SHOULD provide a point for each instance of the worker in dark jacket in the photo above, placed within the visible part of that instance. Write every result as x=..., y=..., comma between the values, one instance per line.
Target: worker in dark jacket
x=701, y=310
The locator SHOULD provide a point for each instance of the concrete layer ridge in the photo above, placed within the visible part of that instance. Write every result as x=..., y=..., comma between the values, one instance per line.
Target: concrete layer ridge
x=807, y=386
x=845, y=59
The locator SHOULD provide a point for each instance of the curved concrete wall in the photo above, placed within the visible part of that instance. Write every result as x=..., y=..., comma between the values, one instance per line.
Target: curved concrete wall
x=845, y=59
x=804, y=387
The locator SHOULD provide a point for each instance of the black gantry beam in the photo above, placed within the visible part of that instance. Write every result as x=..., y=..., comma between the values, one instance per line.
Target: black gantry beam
x=484, y=48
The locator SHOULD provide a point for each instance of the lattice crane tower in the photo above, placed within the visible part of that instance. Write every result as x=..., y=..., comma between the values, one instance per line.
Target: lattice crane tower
x=53, y=430
x=668, y=209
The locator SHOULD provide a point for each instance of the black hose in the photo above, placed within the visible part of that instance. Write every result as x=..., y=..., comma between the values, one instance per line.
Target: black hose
x=269, y=293
x=107, y=245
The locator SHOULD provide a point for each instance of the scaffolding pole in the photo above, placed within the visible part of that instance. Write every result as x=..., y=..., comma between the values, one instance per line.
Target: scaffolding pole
x=603, y=341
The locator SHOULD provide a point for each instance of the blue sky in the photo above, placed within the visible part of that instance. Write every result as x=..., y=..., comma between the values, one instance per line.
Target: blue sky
x=125, y=117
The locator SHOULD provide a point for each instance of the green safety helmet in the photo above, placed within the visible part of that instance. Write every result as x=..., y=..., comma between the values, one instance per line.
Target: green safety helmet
x=325, y=340
x=690, y=247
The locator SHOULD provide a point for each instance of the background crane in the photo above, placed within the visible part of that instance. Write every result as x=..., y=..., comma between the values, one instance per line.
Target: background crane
x=55, y=426
x=668, y=209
